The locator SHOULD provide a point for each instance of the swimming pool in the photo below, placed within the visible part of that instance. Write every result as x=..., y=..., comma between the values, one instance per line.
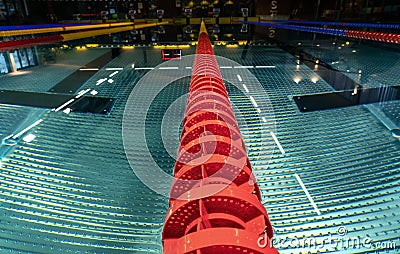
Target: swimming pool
x=327, y=177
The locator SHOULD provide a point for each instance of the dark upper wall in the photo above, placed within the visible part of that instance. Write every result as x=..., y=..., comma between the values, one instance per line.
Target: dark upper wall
x=344, y=10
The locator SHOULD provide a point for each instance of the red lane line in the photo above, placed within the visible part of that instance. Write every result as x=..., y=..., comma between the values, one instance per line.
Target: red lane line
x=212, y=154
x=374, y=36
x=26, y=43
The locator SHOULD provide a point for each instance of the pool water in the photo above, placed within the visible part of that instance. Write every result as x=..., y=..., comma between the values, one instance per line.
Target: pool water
x=72, y=190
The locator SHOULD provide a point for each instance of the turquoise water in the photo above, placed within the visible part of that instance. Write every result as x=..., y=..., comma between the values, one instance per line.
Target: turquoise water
x=72, y=189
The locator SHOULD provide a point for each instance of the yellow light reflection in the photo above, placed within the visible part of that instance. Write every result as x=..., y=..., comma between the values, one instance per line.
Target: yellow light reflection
x=314, y=79
x=172, y=46
x=297, y=80
x=92, y=45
